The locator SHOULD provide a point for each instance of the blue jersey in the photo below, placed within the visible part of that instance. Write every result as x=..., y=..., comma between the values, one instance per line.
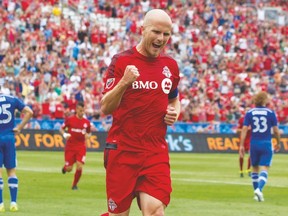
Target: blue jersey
x=261, y=120
x=8, y=105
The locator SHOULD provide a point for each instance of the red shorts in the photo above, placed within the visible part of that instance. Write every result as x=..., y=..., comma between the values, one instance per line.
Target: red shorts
x=128, y=173
x=75, y=154
x=247, y=146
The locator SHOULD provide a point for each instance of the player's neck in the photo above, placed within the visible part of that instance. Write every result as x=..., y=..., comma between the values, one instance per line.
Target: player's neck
x=80, y=117
x=139, y=49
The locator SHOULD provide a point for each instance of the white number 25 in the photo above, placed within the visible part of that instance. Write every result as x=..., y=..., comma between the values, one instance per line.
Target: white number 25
x=8, y=115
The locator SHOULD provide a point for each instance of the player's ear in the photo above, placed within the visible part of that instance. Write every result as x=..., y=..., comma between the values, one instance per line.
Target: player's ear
x=141, y=30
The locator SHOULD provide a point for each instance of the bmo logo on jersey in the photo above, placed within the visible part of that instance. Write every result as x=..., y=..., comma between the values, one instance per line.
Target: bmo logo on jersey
x=166, y=83
x=144, y=85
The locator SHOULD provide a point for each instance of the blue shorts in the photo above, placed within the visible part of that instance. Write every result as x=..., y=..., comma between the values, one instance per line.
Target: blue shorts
x=7, y=151
x=261, y=153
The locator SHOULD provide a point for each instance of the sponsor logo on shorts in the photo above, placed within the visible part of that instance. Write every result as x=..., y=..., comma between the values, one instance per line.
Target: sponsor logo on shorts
x=112, y=205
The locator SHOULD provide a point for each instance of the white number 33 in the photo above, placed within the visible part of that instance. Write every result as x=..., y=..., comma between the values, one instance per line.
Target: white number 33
x=260, y=124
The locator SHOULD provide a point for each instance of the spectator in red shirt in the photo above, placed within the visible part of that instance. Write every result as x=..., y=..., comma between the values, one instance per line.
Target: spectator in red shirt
x=46, y=113
x=59, y=109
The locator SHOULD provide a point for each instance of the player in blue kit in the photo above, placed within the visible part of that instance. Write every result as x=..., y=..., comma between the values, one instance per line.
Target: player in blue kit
x=8, y=105
x=262, y=120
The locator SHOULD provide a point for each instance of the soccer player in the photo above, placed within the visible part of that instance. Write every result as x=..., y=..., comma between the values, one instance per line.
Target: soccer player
x=246, y=147
x=8, y=105
x=261, y=120
x=76, y=130
x=141, y=94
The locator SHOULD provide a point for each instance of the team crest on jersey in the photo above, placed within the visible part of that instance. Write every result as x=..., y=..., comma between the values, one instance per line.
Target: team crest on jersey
x=166, y=72
x=112, y=205
x=110, y=83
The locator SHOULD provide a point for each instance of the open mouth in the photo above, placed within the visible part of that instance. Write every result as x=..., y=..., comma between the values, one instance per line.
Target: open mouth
x=156, y=45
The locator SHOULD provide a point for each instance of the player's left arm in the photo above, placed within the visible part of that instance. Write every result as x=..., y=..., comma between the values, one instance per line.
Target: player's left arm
x=88, y=131
x=173, y=111
x=28, y=113
x=87, y=136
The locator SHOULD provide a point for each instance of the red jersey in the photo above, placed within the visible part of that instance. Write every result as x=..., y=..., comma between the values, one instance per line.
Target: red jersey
x=59, y=111
x=77, y=128
x=138, y=122
x=248, y=135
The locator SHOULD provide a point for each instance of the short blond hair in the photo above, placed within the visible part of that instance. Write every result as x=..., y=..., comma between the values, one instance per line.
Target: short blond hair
x=261, y=98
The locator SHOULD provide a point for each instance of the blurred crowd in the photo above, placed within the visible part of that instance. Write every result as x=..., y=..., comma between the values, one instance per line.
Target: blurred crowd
x=224, y=51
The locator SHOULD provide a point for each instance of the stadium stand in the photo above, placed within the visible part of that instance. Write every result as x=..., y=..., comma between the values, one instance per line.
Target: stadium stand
x=53, y=54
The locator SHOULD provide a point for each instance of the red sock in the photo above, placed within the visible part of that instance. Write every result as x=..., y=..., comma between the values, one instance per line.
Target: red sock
x=241, y=163
x=77, y=176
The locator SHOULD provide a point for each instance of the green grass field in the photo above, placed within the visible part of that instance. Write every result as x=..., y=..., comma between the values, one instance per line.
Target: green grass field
x=203, y=185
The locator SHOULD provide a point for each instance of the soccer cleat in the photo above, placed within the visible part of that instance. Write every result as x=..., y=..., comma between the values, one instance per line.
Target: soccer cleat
x=75, y=188
x=255, y=198
x=241, y=174
x=2, y=207
x=63, y=171
x=259, y=195
x=13, y=207
x=248, y=171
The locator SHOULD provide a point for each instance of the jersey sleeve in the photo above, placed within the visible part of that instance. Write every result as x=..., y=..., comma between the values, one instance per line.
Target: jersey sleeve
x=19, y=104
x=176, y=78
x=112, y=75
x=173, y=94
x=65, y=124
x=89, y=127
x=246, y=121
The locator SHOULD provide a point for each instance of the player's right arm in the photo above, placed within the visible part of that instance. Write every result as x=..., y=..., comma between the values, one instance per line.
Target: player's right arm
x=63, y=131
x=111, y=100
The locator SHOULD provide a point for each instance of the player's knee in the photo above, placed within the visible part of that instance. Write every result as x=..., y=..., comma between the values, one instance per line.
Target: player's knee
x=79, y=166
x=155, y=211
x=159, y=212
x=69, y=168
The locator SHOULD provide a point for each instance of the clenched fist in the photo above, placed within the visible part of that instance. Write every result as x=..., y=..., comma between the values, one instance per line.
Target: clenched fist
x=171, y=115
x=131, y=73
